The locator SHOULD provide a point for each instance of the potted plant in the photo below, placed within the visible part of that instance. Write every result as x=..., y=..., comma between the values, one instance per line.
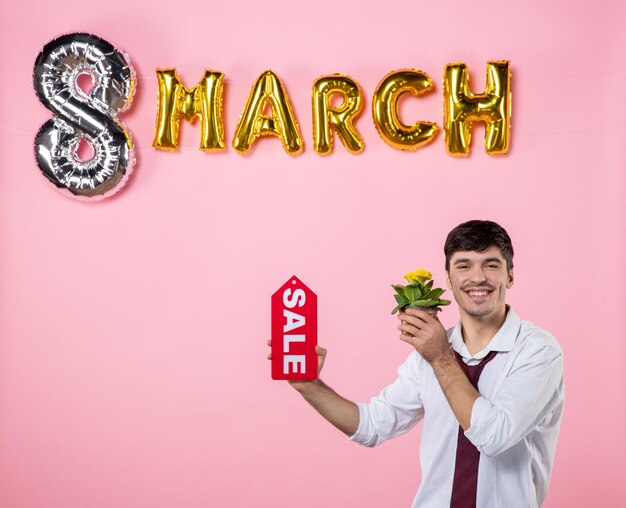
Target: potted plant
x=419, y=292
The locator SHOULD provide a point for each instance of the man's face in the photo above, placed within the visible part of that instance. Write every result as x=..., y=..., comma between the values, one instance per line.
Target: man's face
x=479, y=281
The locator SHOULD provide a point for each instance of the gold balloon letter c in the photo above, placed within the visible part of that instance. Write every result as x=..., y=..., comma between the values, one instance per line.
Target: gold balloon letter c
x=462, y=108
x=385, y=110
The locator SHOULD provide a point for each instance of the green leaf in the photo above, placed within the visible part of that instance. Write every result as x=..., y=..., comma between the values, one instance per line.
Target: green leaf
x=430, y=283
x=444, y=302
x=401, y=299
x=399, y=289
x=436, y=293
x=413, y=292
x=397, y=308
x=425, y=303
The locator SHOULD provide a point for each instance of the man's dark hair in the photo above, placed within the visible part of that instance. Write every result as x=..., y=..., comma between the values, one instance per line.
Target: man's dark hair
x=478, y=235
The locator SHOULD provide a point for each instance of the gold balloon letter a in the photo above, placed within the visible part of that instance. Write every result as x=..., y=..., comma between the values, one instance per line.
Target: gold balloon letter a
x=204, y=101
x=385, y=110
x=268, y=91
x=462, y=108
x=341, y=117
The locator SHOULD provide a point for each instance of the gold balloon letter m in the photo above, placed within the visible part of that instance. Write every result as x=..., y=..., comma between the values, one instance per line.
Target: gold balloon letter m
x=203, y=101
x=462, y=108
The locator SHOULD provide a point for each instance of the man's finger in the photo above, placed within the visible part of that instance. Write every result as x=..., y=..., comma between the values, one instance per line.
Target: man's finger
x=422, y=314
x=409, y=339
x=409, y=329
x=414, y=320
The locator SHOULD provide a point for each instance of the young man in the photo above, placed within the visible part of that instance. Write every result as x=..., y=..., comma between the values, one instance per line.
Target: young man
x=490, y=389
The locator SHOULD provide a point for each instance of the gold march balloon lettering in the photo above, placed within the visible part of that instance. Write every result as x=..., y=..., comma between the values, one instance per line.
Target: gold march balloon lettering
x=268, y=111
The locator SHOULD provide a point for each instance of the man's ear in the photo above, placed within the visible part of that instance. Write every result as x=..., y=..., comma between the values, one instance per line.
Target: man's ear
x=448, y=284
x=509, y=282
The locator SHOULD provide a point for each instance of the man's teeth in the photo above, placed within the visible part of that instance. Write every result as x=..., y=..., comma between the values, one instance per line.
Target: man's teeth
x=477, y=293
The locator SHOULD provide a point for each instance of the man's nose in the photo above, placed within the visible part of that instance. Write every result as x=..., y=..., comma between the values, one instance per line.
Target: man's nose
x=477, y=275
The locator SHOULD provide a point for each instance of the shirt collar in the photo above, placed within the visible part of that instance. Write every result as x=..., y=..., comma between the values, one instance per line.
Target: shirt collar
x=503, y=340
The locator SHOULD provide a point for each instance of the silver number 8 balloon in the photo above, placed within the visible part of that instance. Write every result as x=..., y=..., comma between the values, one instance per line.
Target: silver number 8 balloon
x=84, y=116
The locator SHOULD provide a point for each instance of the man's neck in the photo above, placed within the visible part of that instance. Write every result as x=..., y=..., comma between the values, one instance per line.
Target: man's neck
x=478, y=331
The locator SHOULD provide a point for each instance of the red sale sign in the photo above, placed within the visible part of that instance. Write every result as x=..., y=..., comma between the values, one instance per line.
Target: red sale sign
x=294, y=332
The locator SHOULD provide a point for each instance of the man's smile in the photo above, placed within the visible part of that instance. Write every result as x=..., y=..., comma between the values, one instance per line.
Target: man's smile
x=478, y=294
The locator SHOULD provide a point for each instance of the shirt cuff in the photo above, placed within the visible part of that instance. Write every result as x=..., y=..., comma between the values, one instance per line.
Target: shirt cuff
x=481, y=428
x=362, y=432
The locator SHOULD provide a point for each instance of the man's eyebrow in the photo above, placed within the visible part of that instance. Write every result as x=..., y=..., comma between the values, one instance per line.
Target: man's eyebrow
x=467, y=260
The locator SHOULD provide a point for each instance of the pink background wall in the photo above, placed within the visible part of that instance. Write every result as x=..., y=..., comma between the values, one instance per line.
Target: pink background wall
x=132, y=331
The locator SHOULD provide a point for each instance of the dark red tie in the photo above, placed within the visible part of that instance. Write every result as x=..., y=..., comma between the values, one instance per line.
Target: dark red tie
x=467, y=455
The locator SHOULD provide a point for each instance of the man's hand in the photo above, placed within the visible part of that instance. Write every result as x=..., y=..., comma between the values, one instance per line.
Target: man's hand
x=321, y=358
x=423, y=330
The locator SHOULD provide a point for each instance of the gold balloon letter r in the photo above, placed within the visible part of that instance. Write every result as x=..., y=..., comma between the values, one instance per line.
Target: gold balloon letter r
x=341, y=117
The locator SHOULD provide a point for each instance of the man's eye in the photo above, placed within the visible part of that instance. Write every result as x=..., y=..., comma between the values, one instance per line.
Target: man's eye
x=493, y=266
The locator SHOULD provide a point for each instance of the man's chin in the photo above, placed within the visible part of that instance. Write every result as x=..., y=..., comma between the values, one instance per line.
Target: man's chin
x=478, y=312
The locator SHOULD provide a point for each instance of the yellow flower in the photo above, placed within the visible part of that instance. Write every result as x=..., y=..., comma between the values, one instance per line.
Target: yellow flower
x=419, y=274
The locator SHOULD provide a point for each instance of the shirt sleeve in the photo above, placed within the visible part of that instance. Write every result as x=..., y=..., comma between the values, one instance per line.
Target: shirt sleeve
x=532, y=390
x=395, y=410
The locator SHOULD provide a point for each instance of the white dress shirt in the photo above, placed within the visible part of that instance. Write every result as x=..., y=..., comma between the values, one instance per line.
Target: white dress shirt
x=514, y=423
